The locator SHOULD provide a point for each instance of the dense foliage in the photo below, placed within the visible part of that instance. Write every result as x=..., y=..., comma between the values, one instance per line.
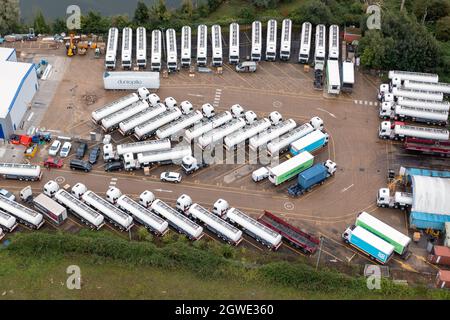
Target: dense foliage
x=207, y=260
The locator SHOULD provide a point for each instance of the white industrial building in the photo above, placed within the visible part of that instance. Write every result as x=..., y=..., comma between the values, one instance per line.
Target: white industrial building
x=18, y=84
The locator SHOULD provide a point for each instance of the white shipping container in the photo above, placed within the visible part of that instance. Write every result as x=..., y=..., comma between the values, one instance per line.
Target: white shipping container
x=130, y=80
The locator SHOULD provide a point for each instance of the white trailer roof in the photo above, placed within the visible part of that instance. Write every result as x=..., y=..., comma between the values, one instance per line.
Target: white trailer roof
x=11, y=82
x=431, y=195
x=334, y=78
x=291, y=163
x=6, y=53
x=384, y=228
x=348, y=72
x=374, y=240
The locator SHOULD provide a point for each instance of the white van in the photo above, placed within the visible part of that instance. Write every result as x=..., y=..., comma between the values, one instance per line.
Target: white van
x=260, y=174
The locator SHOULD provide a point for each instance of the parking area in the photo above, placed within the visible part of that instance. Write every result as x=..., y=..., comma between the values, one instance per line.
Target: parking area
x=350, y=120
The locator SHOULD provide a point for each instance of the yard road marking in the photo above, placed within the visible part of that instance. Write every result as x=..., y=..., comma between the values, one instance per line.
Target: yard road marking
x=331, y=114
x=162, y=190
x=195, y=95
x=31, y=116
x=345, y=189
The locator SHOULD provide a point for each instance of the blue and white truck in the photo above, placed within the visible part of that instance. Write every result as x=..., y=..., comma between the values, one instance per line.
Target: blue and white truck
x=311, y=142
x=311, y=177
x=368, y=243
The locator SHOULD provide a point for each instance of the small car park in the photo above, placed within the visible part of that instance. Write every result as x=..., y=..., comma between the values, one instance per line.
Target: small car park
x=169, y=176
x=77, y=164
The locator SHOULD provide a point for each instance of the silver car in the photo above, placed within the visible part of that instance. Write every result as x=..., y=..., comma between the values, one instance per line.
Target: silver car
x=168, y=176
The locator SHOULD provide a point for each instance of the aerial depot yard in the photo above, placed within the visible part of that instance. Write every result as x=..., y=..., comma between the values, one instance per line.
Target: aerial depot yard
x=74, y=89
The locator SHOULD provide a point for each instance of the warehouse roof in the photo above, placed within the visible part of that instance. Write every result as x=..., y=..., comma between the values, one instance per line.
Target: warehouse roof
x=430, y=195
x=5, y=53
x=12, y=77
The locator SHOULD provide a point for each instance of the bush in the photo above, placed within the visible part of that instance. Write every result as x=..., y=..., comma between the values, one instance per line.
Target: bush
x=443, y=29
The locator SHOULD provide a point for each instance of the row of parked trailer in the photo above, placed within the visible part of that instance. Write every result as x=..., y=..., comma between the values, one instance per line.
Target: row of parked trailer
x=272, y=49
x=144, y=116
x=123, y=212
x=376, y=239
x=415, y=97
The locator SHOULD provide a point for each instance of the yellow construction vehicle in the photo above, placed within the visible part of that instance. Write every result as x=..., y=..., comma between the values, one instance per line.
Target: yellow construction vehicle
x=72, y=49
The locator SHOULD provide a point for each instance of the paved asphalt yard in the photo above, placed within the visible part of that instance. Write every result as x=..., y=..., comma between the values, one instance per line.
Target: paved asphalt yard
x=351, y=121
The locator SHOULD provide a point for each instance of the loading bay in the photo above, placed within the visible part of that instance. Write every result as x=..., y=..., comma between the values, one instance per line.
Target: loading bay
x=351, y=121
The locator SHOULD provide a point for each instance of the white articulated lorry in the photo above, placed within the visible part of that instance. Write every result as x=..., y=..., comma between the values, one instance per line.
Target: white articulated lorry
x=417, y=94
x=113, y=107
x=240, y=136
x=416, y=114
x=270, y=134
x=416, y=76
x=282, y=144
x=19, y=171
x=112, y=121
x=216, y=224
x=148, y=219
x=212, y=137
x=78, y=208
x=177, y=220
x=421, y=85
x=116, y=216
x=143, y=146
x=400, y=200
x=148, y=128
x=207, y=125
x=183, y=122
x=24, y=215
x=400, y=131
x=7, y=221
x=426, y=104
x=143, y=159
x=127, y=126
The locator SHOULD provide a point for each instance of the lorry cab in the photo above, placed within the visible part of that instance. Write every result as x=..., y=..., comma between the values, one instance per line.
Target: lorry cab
x=143, y=93
x=317, y=123
x=129, y=163
x=113, y=194
x=78, y=190
x=250, y=117
x=208, y=110
x=275, y=118
x=384, y=89
x=50, y=188
x=153, y=99
x=331, y=166
x=186, y=107
x=383, y=197
x=385, y=110
x=388, y=97
x=384, y=130
x=170, y=102
x=184, y=202
x=237, y=111
x=220, y=207
x=26, y=194
x=146, y=198
x=108, y=152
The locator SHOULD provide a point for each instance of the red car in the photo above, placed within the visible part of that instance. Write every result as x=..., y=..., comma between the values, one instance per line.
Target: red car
x=52, y=162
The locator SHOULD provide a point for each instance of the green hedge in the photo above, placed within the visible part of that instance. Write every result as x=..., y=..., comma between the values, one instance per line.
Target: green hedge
x=206, y=260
